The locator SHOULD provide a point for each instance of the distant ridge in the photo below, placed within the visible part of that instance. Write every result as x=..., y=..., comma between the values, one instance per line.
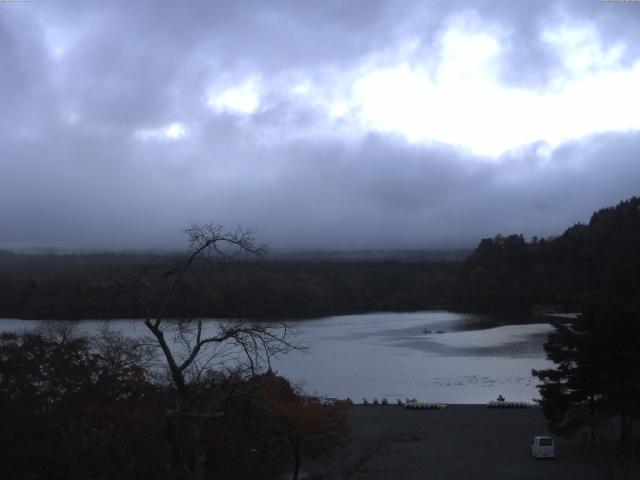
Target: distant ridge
x=293, y=255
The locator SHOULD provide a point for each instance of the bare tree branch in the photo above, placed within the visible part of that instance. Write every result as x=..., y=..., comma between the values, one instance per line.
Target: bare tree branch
x=198, y=343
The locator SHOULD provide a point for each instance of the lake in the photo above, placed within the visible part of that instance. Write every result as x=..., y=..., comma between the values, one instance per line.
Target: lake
x=389, y=355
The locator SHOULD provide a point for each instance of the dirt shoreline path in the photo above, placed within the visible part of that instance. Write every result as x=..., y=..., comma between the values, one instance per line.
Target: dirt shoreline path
x=462, y=442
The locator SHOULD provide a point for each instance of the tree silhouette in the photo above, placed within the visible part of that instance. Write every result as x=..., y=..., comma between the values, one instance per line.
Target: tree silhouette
x=191, y=348
x=596, y=378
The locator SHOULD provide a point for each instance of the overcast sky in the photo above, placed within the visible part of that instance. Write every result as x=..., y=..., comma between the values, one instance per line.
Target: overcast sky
x=333, y=123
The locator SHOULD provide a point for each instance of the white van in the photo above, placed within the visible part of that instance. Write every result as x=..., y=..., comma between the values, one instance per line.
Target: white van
x=543, y=446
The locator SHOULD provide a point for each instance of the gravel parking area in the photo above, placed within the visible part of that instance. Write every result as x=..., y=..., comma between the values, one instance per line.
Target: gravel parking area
x=462, y=442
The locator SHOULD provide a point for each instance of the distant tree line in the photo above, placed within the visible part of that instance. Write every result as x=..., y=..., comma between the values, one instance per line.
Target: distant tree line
x=599, y=259
x=79, y=286
x=586, y=262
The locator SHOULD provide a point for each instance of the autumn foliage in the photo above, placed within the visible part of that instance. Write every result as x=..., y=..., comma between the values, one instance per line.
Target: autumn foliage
x=75, y=409
x=71, y=411
x=269, y=428
x=299, y=425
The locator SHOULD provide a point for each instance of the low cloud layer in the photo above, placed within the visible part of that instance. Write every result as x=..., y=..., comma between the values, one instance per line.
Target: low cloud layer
x=323, y=125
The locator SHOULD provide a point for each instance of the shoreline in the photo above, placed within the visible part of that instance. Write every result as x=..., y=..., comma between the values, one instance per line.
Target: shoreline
x=292, y=316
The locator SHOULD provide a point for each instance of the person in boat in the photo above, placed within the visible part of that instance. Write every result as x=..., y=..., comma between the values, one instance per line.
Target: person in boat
x=500, y=398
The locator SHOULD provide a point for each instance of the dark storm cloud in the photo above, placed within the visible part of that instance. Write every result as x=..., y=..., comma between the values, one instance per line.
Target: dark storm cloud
x=415, y=197
x=78, y=82
x=380, y=194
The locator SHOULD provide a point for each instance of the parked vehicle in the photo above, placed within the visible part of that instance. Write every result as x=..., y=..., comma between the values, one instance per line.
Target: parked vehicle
x=543, y=446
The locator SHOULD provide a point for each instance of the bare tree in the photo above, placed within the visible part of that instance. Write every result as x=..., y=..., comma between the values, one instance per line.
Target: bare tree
x=193, y=349
x=58, y=331
x=189, y=345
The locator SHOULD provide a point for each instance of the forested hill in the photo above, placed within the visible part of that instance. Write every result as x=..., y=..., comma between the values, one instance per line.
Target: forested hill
x=583, y=264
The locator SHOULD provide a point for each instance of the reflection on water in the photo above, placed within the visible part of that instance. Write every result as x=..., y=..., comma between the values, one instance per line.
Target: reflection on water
x=506, y=341
x=389, y=355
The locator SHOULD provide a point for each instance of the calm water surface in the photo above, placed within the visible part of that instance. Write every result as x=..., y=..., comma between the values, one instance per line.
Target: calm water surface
x=389, y=355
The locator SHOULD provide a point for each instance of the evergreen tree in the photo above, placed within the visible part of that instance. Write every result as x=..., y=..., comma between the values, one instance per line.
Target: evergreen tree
x=596, y=377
